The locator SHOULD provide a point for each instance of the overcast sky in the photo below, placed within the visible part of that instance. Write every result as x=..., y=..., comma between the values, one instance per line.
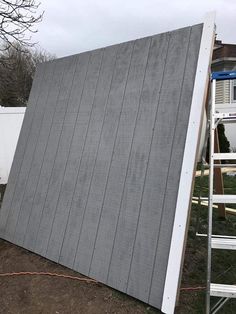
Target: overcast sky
x=73, y=26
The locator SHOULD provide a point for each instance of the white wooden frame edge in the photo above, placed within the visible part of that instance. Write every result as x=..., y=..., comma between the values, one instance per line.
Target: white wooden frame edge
x=179, y=234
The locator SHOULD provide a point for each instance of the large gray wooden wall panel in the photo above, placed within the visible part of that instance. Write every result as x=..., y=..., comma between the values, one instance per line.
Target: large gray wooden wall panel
x=95, y=176
x=14, y=208
x=35, y=169
x=38, y=190
x=20, y=149
x=174, y=168
x=117, y=154
x=115, y=181
x=93, y=134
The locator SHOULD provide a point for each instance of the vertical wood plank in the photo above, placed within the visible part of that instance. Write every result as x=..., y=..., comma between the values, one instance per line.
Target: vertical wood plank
x=14, y=208
x=219, y=182
x=76, y=107
x=89, y=152
x=39, y=188
x=104, y=153
x=103, y=232
x=20, y=149
x=172, y=179
x=29, y=192
x=67, y=242
x=48, y=212
x=149, y=165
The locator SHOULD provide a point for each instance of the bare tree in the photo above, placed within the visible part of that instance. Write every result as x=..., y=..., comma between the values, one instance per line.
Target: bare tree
x=17, y=21
x=17, y=68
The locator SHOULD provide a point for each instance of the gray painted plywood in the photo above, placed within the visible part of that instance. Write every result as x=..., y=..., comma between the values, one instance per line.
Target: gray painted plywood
x=95, y=177
x=20, y=149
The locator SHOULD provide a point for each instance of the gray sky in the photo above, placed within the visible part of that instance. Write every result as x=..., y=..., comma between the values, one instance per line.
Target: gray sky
x=71, y=26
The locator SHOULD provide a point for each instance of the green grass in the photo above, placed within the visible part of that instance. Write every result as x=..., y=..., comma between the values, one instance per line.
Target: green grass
x=224, y=262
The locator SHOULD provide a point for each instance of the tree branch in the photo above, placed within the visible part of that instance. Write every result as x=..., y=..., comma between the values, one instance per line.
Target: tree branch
x=17, y=18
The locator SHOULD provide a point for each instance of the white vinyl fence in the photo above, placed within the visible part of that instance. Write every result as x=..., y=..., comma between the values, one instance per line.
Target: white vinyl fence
x=11, y=119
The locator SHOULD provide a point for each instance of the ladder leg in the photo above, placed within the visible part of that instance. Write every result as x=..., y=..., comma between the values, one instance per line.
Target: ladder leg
x=210, y=202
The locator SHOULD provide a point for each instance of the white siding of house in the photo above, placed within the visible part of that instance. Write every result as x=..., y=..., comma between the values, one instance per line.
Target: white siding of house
x=224, y=91
x=230, y=129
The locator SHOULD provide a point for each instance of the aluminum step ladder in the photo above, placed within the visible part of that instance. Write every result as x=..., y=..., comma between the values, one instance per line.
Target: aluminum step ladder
x=224, y=291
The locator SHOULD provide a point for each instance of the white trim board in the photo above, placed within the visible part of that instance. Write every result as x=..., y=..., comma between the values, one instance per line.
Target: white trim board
x=188, y=167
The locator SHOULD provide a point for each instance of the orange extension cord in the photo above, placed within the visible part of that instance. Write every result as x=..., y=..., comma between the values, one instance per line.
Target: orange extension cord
x=27, y=273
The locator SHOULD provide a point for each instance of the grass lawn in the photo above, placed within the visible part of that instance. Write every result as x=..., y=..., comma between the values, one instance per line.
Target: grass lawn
x=224, y=262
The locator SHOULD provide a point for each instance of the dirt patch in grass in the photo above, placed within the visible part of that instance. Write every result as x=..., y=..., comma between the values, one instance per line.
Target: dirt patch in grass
x=47, y=295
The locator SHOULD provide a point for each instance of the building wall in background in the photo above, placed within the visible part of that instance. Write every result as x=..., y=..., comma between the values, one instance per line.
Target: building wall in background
x=224, y=59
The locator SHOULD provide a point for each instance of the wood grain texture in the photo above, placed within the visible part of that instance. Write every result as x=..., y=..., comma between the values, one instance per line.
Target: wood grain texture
x=20, y=149
x=40, y=191
x=105, y=229
x=14, y=208
x=89, y=152
x=151, y=207
x=174, y=168
x=94, y=181
x=96, y=185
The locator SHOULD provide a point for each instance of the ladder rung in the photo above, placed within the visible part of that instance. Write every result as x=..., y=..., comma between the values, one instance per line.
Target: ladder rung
x=223, y=291
x=202, y=198
x=216, y=236
x=228, y=121
x=223, y=243
x=222, y=198
x=224, y=156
